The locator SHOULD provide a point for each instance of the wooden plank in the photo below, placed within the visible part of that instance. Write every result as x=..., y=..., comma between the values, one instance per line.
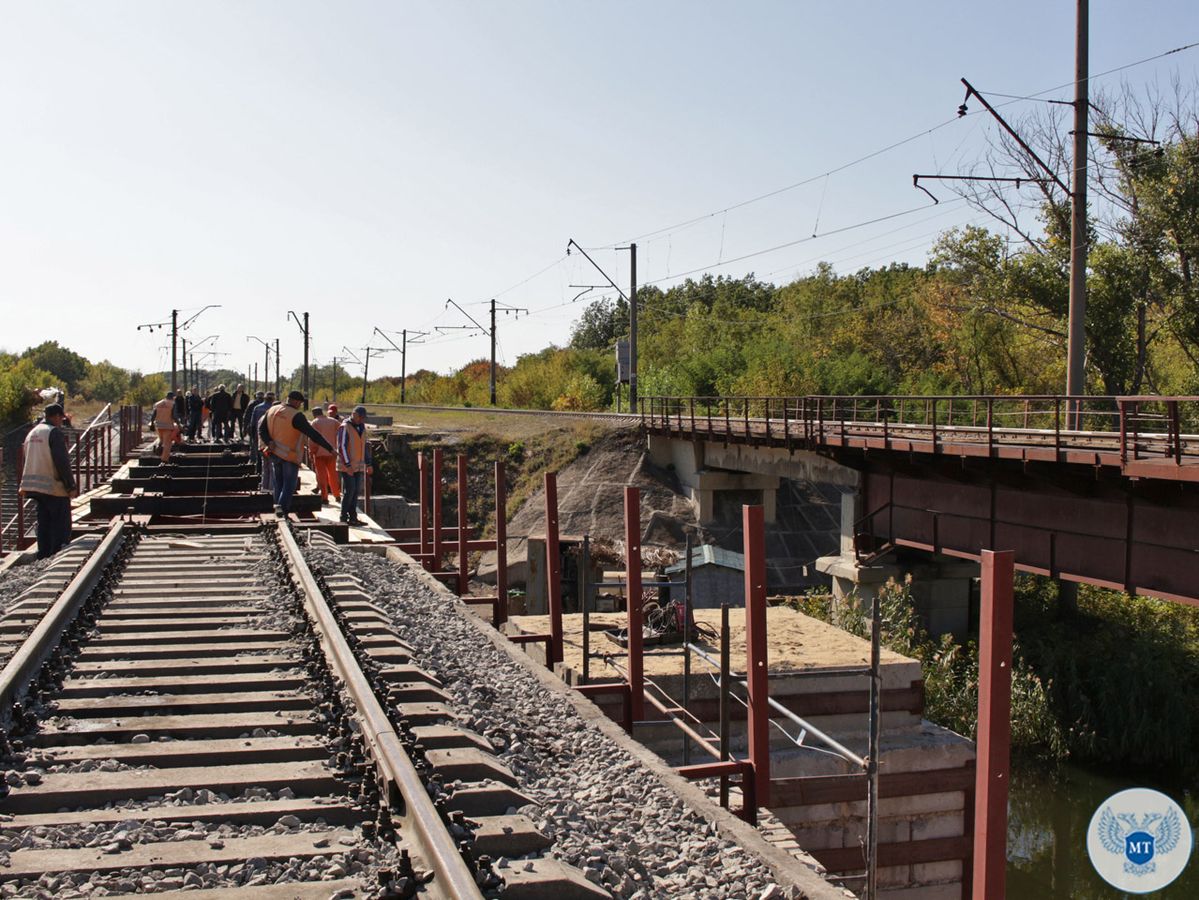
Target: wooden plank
x=63, y=730
x=179, y=704
x=58, y=791
x=165, y=754
x=171, y=854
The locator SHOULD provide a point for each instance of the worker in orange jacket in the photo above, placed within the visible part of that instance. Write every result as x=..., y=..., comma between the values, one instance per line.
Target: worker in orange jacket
x=323, y=462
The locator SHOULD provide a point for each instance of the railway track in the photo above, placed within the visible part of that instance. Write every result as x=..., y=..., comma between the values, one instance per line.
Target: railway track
x=202, y=712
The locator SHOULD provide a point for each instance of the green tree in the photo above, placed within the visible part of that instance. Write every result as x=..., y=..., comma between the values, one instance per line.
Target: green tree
x=66, y=366
x=20, y=380
x=105, y=382
x=601, y=325
x=147, y=390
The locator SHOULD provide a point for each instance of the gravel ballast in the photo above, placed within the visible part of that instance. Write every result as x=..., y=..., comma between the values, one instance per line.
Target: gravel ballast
x=606, y=812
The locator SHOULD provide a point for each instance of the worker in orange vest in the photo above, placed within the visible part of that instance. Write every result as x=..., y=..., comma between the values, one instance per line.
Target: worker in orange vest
x=283, y=430
x=353, y=462
x=323, y=462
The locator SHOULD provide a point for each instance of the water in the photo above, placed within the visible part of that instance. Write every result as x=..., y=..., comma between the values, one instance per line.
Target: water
x=1047, y=830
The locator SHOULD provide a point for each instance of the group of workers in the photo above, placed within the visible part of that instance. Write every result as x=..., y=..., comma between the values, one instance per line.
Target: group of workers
x=336, y=450
x=281, y=438
x=225, y=413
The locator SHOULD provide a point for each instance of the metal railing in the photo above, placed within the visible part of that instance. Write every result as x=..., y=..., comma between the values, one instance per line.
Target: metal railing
x=1134, y=428
x=95, y=452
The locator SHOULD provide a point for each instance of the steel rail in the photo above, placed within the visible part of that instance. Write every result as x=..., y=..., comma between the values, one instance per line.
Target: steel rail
x=452, y=877
x=23, y=665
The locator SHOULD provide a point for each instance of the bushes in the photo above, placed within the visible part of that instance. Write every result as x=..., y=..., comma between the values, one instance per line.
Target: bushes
x=1117, y=683
x=1122, y=675
x=950, y=670
x=20, y=379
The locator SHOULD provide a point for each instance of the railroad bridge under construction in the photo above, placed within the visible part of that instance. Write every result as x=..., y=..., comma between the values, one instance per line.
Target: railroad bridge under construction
x=1095, y=490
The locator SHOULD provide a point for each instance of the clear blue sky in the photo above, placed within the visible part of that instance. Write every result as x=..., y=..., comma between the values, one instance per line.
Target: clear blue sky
x=365, y=161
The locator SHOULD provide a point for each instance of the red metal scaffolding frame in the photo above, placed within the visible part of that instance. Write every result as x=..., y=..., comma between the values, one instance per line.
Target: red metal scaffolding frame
x=994, y=725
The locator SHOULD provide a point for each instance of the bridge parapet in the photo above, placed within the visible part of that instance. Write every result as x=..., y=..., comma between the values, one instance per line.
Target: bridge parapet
x=1143, y=436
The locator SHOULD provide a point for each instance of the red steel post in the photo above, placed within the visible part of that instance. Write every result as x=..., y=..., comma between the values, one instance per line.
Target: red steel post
x=632, y=543
x=422, y=472
x=20, y=498
x=437, y=509
x=553, y=567
x=754, y=527
x=994, y=724
x=463, y=531
x=500, y=615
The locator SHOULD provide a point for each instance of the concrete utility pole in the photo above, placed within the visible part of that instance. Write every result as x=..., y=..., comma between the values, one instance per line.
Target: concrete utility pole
x=404, y=366
x=632, y=300
x=1077, y=348
x=505, y=310
x=403, y=348
x=278, y=376
x=304, y=331
x=174, y=341
x=174, y=387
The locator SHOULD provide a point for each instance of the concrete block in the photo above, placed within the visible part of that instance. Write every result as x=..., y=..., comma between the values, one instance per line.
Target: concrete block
x=893, y=831
x=927, y=828
x=925, y=892
x=894, y=876
x=922, y=804
x=937, y=872
x=819, y=838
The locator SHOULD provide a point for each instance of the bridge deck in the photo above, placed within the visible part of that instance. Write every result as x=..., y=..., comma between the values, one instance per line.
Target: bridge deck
x=1129, y=434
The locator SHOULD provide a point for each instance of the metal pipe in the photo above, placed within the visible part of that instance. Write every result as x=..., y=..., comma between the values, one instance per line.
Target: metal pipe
x=724, y=700
x=634, y=590
x=463, y=530
x=834, y=744
x=686, y=646
x=553, y=568
x=437, y=549
x=501, y=546
x=756, y=649
x=585, y=602
x=872, y=759
x=422, y=471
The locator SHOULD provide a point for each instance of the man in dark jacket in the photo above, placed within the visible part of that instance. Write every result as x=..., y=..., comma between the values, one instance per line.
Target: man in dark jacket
x=256, y=416
x=220, y=405
x=181, y=409
x=282, y=432
x=247, y=427
x=237, y=416
x=195, y=412
x=46, y=479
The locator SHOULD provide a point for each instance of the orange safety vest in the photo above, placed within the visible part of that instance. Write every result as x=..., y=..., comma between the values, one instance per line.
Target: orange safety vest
x=355, y=449
x=326, y=427
x=287, y=441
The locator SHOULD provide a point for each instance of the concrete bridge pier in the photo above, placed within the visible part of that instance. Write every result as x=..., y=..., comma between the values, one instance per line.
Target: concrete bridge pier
x=944, y=588
x=702, y=483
